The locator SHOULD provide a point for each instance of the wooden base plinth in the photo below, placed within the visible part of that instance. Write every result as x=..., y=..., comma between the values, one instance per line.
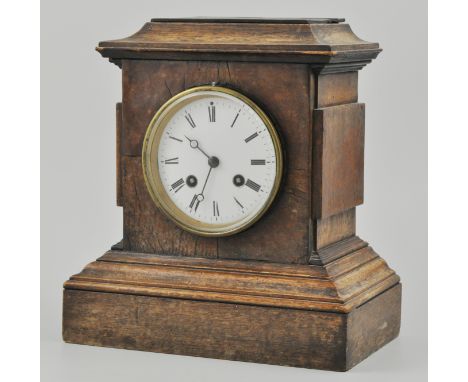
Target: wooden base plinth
x=284, y=315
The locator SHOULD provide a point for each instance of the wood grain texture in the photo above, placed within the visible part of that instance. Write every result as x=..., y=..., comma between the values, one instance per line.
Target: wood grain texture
x=206, y=329
x=335, y=228
x=319, y=42
x=373, y=325
x=290, y=337
x=250, y=20
x=330, y=90
x=147, y=229
x=298, y=288
x=336, y=249
x=336, y=89
x=338, y=159
x=356, y=275
x=282, y=235
x=118, y=144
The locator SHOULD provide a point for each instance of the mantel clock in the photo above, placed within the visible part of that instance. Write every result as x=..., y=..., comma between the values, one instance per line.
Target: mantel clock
x=240, y=158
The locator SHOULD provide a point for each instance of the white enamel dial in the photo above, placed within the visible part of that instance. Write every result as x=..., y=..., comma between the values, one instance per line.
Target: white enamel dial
x=212, y=160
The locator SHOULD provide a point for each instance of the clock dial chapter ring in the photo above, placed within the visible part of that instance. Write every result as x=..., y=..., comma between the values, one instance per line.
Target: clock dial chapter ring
x=248, y=200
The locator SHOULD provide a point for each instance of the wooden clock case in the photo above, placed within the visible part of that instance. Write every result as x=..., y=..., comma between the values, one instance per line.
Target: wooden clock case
x=298, y=288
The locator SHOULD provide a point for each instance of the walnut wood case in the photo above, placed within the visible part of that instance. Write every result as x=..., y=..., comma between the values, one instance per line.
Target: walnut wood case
x=298, y=288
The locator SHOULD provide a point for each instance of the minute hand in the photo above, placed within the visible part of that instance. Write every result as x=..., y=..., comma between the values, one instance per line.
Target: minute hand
x=206, y=180
x=199, y=197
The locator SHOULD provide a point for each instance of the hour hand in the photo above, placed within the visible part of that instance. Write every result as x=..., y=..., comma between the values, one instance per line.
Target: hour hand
x=194, y=145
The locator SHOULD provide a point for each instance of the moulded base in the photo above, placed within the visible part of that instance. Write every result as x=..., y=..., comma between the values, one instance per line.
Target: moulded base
x=108, y=313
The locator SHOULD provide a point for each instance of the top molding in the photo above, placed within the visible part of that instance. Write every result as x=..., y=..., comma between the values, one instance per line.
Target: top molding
x=250, y=20
x=316, y=41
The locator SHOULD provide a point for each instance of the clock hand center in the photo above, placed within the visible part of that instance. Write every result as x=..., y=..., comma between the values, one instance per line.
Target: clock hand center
x=213, y=162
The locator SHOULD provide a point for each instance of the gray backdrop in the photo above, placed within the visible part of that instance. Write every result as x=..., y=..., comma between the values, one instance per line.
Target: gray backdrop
x=80, y=220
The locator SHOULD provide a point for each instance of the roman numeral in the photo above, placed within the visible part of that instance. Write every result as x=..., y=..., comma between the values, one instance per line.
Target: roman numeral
x=257, y=162
x=176, y=186
x=195, y=202
x=235, y=119
x=212, y=112
x=251, y=184
x=172, y=161
x=189, y=119
x=215, y=209
x=248, y=139
x=175, y=139
x=239, y=203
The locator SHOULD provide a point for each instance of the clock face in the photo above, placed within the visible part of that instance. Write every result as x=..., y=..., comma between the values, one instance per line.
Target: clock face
x=212, y=161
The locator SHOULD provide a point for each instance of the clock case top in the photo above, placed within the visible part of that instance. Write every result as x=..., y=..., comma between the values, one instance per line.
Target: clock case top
x=320, y=42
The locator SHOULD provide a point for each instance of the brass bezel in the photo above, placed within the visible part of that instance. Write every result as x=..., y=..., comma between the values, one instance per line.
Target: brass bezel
x=151, y=172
